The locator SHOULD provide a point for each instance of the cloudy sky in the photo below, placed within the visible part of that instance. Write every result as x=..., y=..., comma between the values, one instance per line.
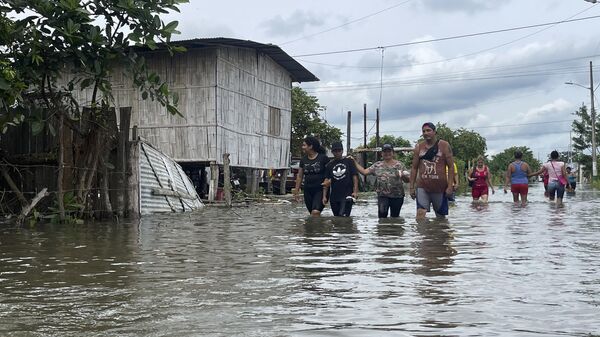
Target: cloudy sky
x=508, y=86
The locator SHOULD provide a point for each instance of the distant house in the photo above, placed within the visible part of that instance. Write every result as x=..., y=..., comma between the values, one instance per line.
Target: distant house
x=235, y=96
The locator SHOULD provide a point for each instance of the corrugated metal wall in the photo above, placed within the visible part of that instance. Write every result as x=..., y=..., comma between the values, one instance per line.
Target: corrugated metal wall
x=157, y=171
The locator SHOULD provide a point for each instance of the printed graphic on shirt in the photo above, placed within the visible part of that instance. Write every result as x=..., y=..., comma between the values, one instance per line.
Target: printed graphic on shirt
x=339, y=171
x=430, y=166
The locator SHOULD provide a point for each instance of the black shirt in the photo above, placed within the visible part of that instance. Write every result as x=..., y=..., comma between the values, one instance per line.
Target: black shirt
x=314, y=170
x=341, y=172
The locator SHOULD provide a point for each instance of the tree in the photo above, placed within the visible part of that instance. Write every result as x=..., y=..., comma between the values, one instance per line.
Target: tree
x=582, y=141
x=306, y=121
x=500, y=161
x=86, y=41
x=466, y=144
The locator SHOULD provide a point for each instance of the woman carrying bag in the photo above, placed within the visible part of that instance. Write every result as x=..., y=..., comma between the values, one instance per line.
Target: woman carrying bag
x=557, y=177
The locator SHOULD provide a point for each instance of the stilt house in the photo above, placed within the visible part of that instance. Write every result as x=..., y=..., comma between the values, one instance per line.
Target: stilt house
x=235, y=96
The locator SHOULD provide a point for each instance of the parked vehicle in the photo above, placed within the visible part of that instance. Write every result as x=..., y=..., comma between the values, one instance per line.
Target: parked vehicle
x=290, y=179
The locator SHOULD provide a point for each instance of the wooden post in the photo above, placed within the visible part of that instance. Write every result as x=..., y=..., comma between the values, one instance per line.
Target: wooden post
x=364, y=154
x=282, y=181
x=123, y=138
x=226, y=180
x=349, y=122
x=214, y=181
x=133, y=179
x=269, y=179
x=249, y=173
x=378, y=156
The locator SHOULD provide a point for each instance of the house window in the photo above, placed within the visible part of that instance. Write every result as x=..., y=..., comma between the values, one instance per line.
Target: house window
x=274, y=121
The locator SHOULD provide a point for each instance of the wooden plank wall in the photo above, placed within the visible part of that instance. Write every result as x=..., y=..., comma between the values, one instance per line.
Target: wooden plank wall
x=248, y=83
x=225, y=94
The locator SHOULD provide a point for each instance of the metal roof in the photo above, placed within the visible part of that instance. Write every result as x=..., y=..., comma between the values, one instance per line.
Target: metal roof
x=296, y=70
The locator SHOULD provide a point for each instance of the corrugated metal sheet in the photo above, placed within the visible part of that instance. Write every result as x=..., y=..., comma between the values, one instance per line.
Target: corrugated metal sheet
x=157, y=171
x=296, y=70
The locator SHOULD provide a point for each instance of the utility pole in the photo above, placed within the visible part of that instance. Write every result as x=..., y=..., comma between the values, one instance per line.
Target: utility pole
x=594, y=169
x=349, y=122
x=364, y=155
x=377, y=134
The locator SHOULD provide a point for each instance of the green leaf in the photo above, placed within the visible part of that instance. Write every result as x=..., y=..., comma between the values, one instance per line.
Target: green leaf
x=179, y=49
x=144, y=95
x=151, y=44
x=37, y=127
x=173, y=110
x=170, y=27
x=4, y=85
x=86, y=83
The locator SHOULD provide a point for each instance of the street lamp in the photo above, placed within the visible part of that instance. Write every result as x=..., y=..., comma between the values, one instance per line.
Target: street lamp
x=593, y=115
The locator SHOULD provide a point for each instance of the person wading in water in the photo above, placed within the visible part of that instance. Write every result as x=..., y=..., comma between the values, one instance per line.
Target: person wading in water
x=516, y=174
x=390, y=174
x=429, y=183
x=312, y=169
x=341, y=182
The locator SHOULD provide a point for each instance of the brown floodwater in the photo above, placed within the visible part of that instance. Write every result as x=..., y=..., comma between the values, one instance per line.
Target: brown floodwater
x=268, y=270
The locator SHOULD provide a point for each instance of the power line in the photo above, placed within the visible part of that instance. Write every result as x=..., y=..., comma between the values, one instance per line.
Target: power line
x=432, y=82
x=346, y=24
x=459, y=74
x=450, y=37
x=457, y=57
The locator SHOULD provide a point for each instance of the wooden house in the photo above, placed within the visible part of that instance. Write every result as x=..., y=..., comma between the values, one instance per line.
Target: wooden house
x=235, y=96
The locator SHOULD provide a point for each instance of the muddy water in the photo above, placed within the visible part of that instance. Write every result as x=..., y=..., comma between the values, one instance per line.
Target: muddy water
x=269, y=271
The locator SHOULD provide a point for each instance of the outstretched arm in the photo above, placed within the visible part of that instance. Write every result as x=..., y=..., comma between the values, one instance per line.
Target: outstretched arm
x=538, y=172
x=298, y=183
x=359, y=168
x=413, y=172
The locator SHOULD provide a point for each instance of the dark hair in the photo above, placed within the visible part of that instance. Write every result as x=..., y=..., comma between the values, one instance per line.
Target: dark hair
x=554, y=154
x=518, y=154
x=430, y=125
x=314, y=143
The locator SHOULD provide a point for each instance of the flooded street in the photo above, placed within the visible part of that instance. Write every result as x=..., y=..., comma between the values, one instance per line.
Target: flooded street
x=268, y=270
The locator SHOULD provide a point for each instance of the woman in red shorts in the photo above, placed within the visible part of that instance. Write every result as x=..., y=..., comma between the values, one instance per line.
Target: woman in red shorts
x=481, y=178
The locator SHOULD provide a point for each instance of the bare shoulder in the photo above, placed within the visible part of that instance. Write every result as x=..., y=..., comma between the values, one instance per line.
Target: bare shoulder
x=445, y=146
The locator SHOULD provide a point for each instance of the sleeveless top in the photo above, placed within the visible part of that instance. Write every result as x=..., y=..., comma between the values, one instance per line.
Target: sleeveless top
x=518, y=176
x=481, y=177
x=432, y=175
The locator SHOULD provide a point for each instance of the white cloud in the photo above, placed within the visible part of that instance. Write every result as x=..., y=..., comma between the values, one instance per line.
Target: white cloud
x=295, y=24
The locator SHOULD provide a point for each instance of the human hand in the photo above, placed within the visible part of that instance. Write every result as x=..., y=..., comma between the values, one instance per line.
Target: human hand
x=413, y=193
x=354, y=195
x=449, y=190
x=324, y=200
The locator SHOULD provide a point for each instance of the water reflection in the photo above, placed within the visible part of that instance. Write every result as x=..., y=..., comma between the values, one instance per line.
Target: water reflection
x=270, y=271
